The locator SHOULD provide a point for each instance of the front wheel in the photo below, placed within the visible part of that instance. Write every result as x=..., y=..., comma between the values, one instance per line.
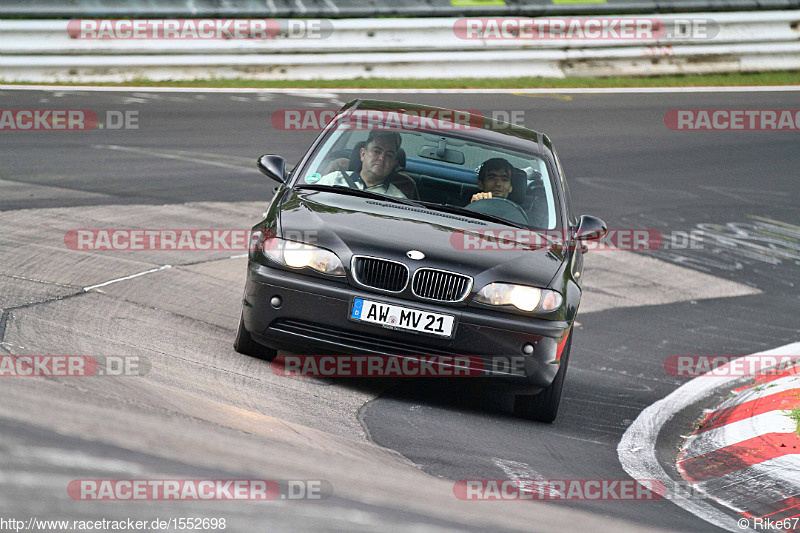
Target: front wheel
x=245, y=344
x=543, y=407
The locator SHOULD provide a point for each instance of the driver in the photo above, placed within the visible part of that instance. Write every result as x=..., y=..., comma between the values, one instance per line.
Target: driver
x=378, y=161
x=494, y=179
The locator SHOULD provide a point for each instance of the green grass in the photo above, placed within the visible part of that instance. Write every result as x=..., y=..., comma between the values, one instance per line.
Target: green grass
x=794, y=414
x=761, y=78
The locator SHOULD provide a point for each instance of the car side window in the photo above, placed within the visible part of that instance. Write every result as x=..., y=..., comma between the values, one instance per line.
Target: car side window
x=567, y=198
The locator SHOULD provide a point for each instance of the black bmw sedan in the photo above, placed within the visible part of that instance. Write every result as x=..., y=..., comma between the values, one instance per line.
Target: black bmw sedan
x=409, y=231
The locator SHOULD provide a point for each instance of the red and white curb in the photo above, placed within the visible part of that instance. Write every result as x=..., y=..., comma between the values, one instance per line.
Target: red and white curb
x=746, y=452
x=742, y=457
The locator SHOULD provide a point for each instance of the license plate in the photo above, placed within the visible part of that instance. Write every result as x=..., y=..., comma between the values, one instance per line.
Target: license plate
x=397, y=317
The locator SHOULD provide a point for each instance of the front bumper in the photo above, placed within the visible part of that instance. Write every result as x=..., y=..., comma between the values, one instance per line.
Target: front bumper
x=313, y=318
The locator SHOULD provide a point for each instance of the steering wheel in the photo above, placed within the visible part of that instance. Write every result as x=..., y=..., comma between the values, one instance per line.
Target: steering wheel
x=500, y=207
x=336, y=161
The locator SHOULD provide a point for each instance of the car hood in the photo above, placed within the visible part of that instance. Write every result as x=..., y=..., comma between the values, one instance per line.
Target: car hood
x=352, y=225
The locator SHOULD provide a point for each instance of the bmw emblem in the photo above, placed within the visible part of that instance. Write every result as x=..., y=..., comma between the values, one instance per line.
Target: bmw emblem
x=415, y=255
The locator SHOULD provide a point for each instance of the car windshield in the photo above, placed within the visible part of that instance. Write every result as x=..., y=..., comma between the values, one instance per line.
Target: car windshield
x=440, y=168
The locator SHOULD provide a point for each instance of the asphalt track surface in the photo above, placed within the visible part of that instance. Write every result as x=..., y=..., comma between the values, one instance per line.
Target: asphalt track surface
x=204, y=411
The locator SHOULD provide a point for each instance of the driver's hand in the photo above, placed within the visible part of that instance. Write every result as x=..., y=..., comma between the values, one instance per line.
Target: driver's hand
x=337, y=165
x=480, y=196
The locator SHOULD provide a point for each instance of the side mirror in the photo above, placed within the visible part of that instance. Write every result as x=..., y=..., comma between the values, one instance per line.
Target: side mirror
x=590, y=228
x=273, y=167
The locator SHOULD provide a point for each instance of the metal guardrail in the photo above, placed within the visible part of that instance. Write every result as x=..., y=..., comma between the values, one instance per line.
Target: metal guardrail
x=46, y=37
x=43, y=50
x=373, y=8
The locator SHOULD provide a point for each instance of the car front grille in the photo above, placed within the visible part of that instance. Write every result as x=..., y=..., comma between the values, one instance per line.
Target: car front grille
x=380, y=274
x=440, y=285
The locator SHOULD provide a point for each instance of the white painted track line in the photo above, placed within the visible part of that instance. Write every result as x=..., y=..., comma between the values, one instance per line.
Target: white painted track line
x=109, y=282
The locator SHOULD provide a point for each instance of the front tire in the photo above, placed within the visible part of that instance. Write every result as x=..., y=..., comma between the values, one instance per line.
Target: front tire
x=245, y=344
x=543, y=407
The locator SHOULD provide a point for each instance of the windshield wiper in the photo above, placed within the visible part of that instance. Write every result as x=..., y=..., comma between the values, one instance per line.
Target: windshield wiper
x=357, y=192
x=474, y=214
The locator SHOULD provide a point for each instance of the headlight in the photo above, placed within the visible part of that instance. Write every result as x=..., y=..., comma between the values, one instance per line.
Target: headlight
x=522, y=297
x=300, y=255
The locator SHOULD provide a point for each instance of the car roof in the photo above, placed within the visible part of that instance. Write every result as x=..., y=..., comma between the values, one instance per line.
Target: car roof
x=487, y=130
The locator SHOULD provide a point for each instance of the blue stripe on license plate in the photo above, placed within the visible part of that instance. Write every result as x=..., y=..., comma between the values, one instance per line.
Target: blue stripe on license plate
x=358, y=306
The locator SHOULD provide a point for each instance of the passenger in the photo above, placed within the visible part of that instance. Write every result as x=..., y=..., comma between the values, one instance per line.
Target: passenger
x=378, y=161
x=494, y=179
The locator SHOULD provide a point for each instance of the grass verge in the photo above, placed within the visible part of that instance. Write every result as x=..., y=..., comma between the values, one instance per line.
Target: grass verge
x=794, y=414
x=695, y=80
